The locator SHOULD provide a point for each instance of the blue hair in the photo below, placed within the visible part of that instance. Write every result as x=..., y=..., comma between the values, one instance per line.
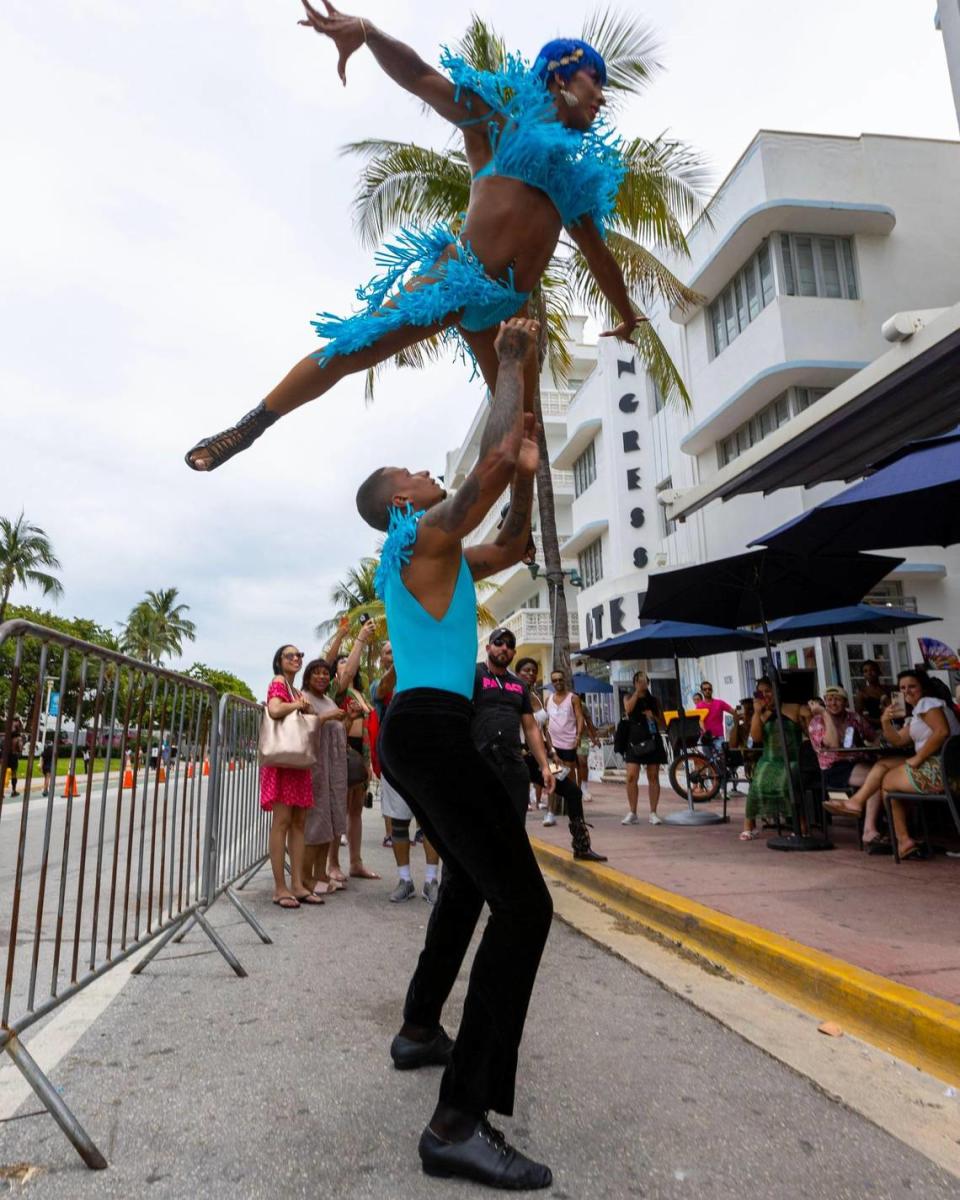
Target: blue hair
x=566, y=56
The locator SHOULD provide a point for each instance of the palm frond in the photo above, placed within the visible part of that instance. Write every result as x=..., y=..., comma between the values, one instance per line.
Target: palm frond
x=646, y=277
x=630, y=48
x=558, y=300
x=407, y=184
x=666, y=188
x=666, y=378
x=48, y=584
x=481, y=46
x=430, y=349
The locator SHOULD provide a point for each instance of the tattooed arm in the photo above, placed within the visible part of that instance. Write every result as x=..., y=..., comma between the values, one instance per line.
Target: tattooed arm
x=513, y=540
x=449, y=522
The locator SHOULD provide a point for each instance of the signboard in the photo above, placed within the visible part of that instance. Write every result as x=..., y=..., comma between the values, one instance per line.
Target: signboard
x=54, y=708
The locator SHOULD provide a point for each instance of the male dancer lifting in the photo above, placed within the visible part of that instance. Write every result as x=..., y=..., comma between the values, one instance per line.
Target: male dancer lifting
x=427, y=753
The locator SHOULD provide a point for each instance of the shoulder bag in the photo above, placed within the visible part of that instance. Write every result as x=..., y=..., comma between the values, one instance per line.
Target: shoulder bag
x=289, y=741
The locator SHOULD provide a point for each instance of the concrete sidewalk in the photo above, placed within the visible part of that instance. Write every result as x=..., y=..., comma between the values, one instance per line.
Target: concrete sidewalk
x=200, y=1085
x=899, y=922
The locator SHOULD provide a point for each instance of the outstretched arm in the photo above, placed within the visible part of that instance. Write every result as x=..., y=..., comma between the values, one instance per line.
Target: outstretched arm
x=449, y=522
x=513, y=539
x=606, y=271
x=399, y=61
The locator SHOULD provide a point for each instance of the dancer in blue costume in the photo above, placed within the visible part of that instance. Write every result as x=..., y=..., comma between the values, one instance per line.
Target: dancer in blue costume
x=542, y=160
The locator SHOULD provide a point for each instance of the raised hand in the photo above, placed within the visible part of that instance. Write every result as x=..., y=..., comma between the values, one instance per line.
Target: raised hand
x=517, y=339
x=624, y=330
x=347, y=33
x=528, y=457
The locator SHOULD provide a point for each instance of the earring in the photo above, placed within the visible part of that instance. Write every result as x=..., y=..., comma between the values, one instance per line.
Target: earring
x=569, y=98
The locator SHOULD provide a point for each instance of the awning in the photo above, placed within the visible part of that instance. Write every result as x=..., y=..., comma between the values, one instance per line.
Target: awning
x=912, y=391
x=583, y=537
x=576, y=443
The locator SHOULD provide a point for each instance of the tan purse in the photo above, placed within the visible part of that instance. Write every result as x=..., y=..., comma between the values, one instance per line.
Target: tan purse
x=289, y=741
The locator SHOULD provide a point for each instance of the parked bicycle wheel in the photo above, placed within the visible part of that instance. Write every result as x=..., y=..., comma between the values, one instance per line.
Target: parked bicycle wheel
x=704, y=776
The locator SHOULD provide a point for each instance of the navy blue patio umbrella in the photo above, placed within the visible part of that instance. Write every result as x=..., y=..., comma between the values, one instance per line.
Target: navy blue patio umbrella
x=752, y=588
x=853, y=618
x=911, y=499
x=584, y=683
x=679, y=639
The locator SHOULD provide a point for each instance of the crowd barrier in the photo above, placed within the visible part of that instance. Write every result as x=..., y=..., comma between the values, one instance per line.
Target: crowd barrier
x=127, y=853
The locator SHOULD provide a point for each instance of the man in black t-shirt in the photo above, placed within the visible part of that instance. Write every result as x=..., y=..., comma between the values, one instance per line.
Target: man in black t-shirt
x=501, y=707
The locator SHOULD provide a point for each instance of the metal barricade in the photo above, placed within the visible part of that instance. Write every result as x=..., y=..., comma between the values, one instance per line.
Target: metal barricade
x=241, y=843
x=111, y=858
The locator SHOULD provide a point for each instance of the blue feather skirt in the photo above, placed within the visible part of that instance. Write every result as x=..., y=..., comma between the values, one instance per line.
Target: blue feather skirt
x=443, y=283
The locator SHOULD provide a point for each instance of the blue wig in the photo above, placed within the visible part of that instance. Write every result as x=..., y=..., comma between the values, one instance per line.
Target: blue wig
x=566, y=56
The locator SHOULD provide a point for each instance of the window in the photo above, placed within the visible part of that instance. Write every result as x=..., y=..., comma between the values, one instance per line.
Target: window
x=817, y=266
x=791, y=402
x=667, y=526
x=743, y=299
x=532, y=601
x=590, y=561
x=807, y=265
x=659, y=404
x=585, y=470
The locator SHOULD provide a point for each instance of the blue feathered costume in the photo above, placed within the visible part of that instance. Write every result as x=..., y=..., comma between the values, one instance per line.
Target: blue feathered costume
x=581, y=172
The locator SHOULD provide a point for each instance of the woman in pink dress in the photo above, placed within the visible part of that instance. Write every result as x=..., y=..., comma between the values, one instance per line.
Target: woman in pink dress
x=287, y=792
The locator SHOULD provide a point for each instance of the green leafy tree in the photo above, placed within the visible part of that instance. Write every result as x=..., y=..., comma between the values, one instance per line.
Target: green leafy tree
x=223, y=681
x=26, y=557
x=664, y=191
x=157, y=626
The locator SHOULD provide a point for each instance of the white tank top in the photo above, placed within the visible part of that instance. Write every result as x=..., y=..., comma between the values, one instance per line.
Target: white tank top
x=563, y=722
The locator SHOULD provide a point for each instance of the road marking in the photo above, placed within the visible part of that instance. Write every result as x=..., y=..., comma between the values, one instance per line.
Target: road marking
x=58, y=1037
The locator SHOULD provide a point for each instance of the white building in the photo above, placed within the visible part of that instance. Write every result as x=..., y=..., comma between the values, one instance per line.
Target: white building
x=813, y=243
x=519, y=600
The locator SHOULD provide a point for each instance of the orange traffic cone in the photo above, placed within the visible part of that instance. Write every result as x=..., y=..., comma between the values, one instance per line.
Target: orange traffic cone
x=161, y=774
x=70, y=786
x=206, y=766
x=189, y=770
x=128, y=778
x=233, y=765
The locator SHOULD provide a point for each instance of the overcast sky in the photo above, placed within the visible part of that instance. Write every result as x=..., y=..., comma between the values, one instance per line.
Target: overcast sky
x=175, y=210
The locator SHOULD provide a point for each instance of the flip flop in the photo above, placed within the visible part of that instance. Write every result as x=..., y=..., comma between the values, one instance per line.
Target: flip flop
x=284, y=903
x=310, y=899
x=917, y=850
x=364, y=873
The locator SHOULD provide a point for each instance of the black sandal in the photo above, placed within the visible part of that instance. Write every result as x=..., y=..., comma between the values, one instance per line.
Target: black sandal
x=231, y=441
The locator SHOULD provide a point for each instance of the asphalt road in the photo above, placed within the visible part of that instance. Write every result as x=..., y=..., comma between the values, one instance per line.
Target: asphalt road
x=196, y=1084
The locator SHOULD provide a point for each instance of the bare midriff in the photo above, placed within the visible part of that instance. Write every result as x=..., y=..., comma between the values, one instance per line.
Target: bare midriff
x=511, y=224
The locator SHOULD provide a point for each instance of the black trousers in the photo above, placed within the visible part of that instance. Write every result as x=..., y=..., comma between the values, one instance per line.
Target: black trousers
x=427, y=753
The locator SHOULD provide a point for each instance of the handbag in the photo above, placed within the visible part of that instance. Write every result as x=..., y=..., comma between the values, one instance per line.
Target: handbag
x=289, y=741
x=643, y=746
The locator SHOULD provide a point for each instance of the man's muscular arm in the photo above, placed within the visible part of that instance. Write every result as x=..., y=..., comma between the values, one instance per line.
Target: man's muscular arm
x=513, y=538
x=451, y=520
x=398, y=60
x=606, y=271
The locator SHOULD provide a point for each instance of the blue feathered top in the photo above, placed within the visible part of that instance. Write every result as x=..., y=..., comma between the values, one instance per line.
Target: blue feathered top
x=581, y=172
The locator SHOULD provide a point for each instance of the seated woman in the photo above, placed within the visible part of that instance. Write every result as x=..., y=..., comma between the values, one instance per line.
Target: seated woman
x=828, y=734
x=769, y=794
x=930, y=724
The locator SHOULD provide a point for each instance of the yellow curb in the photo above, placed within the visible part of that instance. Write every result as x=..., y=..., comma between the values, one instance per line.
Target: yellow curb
x=920, y=1029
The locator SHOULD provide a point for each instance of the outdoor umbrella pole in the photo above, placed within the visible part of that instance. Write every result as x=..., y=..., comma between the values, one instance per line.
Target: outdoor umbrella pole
x=798, y=840
x=835, y=651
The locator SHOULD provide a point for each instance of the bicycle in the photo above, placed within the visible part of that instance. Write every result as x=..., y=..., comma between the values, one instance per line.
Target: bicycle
x=707, y=767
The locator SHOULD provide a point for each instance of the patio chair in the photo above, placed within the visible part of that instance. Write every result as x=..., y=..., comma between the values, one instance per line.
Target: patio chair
x=950, y=796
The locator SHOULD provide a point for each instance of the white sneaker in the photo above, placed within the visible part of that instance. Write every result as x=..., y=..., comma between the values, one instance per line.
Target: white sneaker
x=655, y=820
x=586, y=795
x=549, y=819
x=630, y=819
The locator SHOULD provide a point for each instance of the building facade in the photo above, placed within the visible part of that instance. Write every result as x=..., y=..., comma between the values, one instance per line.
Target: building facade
x=812, y=243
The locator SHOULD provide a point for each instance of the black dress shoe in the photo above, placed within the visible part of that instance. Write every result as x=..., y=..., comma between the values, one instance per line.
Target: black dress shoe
x=485, y=1157
x=407, y=1054
x=589, y=855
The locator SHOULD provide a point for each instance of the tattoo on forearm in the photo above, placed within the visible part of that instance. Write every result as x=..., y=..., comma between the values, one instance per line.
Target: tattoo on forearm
x=517, y=522
x=451, y=515
x=505, y=412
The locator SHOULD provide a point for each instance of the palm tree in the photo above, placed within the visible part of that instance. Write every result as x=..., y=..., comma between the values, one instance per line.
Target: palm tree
x=157, y=626
x=664, y=191
x=24, y=549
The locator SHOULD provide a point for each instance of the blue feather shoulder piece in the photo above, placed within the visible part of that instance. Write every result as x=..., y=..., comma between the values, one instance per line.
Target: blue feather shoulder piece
x=581, y=172
x=398, y=548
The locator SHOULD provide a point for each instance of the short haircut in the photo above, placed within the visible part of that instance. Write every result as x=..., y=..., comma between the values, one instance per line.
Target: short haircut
x=523, y=662
x=705, y=683
x=312, y=666
x=374, y=497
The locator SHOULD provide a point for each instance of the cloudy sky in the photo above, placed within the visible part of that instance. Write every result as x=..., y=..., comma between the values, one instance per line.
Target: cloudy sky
x=175, y=209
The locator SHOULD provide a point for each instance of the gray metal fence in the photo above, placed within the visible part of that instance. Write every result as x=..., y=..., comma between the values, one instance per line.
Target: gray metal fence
x=151, y=813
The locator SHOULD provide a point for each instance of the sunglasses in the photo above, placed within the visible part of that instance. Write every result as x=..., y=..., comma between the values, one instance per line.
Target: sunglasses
x=295, y=654
x=505, y=639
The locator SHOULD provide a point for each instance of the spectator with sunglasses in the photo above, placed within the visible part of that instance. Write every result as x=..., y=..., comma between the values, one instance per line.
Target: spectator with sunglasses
x=502, y=709
x=287, y=792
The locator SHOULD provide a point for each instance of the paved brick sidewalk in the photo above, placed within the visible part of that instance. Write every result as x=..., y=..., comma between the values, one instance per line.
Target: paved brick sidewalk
x=898, y=921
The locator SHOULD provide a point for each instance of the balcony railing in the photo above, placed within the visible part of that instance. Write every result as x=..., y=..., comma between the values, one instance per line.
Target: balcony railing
x=534, y=626
x=554, y=403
